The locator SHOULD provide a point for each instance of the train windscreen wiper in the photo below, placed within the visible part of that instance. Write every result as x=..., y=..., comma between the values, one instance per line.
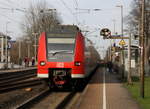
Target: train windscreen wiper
x=61, y=51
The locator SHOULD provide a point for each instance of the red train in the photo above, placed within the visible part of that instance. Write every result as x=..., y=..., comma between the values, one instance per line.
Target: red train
x=65, y=56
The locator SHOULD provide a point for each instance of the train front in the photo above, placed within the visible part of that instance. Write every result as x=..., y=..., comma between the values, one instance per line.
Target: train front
x=56, y=57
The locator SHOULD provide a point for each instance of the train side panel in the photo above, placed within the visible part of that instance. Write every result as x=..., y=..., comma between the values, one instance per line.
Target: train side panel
x=42, y=70
x=78, y=70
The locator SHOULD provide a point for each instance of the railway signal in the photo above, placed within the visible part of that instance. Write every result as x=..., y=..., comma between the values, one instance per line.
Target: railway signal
x=106, y=33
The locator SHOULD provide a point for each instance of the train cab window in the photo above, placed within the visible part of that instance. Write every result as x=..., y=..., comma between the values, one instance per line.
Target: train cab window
x=65, y=45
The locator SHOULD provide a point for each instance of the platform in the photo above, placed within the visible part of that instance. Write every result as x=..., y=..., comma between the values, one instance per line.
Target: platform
x=105, y=91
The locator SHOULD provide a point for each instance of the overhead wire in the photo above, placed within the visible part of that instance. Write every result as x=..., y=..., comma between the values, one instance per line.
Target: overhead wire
x=6, y=8
x=76, y=15
x=15, y=21
x=9, y=4
x=63, y=13
x=66, y=16
x=10, y=8
x=9, y=1
x=4, y=4
x=123, y=2
x=76, y=3
x=69, y=9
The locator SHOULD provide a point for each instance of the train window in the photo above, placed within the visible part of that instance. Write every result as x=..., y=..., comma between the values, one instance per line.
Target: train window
x=56, y=47
x=60, y=44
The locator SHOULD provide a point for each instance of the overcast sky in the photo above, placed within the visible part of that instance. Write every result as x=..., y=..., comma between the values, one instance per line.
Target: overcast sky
x=67, y=10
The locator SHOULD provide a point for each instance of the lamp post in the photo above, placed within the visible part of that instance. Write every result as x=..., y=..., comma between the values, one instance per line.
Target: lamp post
x=115, y=33
x=6, y=39
x=114, y=24
x=35, y=44
x=28, y=41
x=2, y=48
x=19, y=47
x=121, y=7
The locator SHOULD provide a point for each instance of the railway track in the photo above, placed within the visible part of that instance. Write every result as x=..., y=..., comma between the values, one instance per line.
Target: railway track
x=19, y=84
x=66, y=101
x=8, y=73
x=48, y=100
x=36, y=98
x=14, y=80
x=51, y=100
x=17, y=77
x=45, y=99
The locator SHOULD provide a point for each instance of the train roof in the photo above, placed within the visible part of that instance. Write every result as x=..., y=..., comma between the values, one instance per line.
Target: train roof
x=64, y=29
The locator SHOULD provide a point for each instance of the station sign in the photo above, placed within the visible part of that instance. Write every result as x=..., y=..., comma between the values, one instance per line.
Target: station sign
x=122, y=42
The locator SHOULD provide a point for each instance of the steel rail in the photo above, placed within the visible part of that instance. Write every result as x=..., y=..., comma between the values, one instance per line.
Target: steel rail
x=16, y=75
x=33, y=99
x=66, y=100
x=19, y=85
x=11, y=80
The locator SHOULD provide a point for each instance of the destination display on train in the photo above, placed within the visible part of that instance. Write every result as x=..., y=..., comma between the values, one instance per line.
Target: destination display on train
x=61, y=40
x=60, y=35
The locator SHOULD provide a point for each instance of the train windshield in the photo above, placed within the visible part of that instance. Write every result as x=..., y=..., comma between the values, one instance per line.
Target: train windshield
x=60, y=45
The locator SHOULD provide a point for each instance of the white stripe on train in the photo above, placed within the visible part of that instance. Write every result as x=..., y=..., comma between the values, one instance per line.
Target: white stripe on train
x=72, y=75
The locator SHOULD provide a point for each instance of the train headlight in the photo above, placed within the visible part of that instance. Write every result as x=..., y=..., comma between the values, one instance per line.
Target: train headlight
x=42, y=63
x=77, y=63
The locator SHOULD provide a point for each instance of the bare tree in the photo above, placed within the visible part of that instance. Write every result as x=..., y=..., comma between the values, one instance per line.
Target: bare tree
x=134, y=19
x=38, y=18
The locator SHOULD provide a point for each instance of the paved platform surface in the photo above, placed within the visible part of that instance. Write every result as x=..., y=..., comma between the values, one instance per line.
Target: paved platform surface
x=105, y=91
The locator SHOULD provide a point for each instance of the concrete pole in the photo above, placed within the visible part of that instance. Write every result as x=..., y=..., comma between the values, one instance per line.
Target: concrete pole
x=122, y=20
x=129, y=60
x=110, y=59
x=123, y=62
x=2, y=48
x=122, y=46
x=114, y=24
